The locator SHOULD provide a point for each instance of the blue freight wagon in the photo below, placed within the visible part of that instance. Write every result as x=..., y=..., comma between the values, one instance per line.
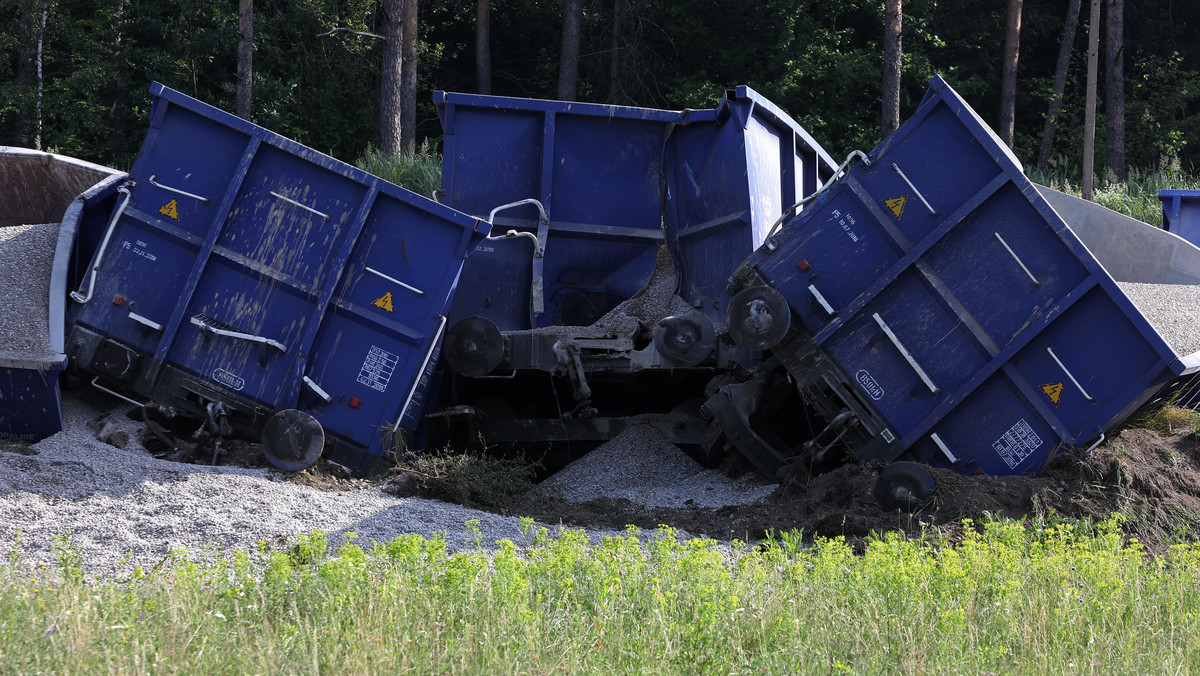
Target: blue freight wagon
x=591, y=204
x=43, y=201
x=594, y=189
x=268, y=289
x=933, y=305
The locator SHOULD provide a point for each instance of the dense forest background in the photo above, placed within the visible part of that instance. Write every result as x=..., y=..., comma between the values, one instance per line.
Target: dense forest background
x=820, y=61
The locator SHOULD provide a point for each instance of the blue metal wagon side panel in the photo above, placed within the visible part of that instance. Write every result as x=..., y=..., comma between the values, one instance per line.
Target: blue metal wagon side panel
x=728, y=181
x=249, y=271
x=597, y=172
x=974, y=326
x=1181, y=213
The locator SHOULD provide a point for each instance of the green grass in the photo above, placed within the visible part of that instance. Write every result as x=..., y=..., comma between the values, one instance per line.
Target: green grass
x=420, y=172
x=1007, y=598
x=1137, y=197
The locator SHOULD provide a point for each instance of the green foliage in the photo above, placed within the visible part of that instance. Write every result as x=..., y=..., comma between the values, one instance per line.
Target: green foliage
x=420, y=172
x=820, y=61
x=1137, y=197
x=1171, y=419
x=1007, y=597
x=472, y=478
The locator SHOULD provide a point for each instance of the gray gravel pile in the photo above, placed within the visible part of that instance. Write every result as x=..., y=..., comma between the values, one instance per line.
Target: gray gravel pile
x=1172, y=309
x=122, y=502
x=26, y=260
x=652, y=303
x=641, y=466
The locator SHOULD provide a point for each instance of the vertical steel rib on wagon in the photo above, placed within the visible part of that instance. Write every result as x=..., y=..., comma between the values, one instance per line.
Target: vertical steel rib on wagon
x=940, y=301
x=244, y=274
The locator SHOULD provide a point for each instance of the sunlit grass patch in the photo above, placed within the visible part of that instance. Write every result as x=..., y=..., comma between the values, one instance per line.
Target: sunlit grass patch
x=1066, y=596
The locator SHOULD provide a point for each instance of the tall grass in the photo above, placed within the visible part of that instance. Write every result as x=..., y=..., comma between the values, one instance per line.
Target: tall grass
x=420, y=171
x=1007, y=598
x=1136, y=197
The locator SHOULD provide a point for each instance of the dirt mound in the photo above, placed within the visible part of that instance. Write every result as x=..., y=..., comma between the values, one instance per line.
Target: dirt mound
x=1152, y=479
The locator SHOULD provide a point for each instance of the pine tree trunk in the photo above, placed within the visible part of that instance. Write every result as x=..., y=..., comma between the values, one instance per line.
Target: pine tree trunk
x=389, y=84
x=1060, y=82
x=114, y=95
x=408, y=80
x=892, y=26
x=1008, y=77
x=1089, y=106
x=614, y=78
x=483, y=49
x=1114, y=89
x=568, y=61
x=29, y=36
x=245, y=58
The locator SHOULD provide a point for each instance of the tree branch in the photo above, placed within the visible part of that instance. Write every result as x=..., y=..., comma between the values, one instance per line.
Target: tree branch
x=347, y=30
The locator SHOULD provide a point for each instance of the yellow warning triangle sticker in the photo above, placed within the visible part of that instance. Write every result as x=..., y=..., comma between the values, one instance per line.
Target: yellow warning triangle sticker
x=384, y=301
x=170, y=209
x=1054, y=391
x=896, y=204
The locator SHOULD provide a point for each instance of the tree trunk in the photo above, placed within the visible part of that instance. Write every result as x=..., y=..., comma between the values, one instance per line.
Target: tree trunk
x=614, y=79
x=568, y=60
x=892, y=25
x=1060, y=82
x=114, y=95
x=389, y=78
x=483, y=50
x=1008, y=76
x=37, y=138
x=245, y=58
x=408, y=80
x=29, y=36
x=1089, y=106
x=1114, y=89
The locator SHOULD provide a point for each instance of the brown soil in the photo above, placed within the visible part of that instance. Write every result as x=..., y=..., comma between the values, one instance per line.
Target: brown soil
x=1151, y=479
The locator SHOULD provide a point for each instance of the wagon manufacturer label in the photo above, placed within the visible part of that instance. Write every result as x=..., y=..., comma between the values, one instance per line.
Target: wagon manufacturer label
x=1017, y=443
x=847, y=223
x=138, y=247
x=867, y=382
x=377, y=368
x=228, y=379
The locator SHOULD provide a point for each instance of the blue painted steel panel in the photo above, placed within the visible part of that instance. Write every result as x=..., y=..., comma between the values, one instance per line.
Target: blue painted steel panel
x=43, y=188
x=964, y=312
x=1181, y=213
x=616, y=182
x=30, y=403
x=728, y=182
x=324, y=279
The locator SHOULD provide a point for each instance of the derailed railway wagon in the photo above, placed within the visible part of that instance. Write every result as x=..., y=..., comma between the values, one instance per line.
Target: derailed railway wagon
x=267, y=289
x=934, y=305
x=599, y=301
x=45, y=202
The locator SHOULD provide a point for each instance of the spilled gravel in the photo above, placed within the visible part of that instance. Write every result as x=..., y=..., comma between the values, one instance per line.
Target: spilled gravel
x=641, y=466
x=123, y=508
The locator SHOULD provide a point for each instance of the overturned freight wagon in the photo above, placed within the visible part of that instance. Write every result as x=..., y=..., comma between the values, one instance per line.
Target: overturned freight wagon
x=599, y=301
x=934, y=305
x=44, y=201
x=267, y=289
